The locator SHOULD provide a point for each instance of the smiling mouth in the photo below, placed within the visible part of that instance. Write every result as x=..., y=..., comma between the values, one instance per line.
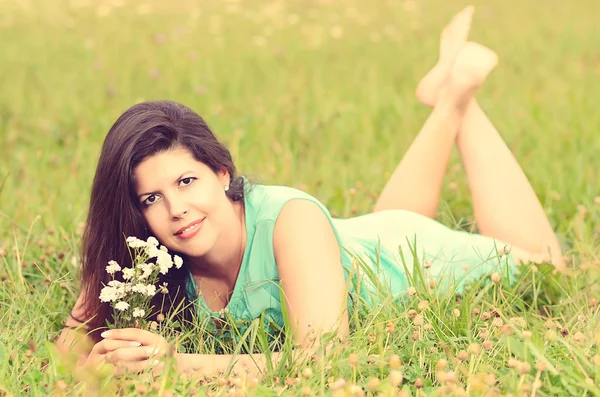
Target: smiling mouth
x=190, y=228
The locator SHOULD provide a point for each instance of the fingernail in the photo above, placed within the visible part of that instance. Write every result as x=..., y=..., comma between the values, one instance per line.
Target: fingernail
x=135, y=344
x=155, y=362
x=105, y=334
x=152, y=350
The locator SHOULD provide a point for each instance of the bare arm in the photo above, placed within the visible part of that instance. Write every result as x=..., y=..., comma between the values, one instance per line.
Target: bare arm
x=310, y=269
x=74, y=337
x=252, y=364
x=309, y=265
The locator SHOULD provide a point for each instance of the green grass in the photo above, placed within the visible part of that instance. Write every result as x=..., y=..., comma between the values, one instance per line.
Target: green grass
x=300, y=107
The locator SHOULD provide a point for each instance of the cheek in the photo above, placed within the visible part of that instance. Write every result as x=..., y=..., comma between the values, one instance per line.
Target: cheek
x=154, y=220
x=205, y=200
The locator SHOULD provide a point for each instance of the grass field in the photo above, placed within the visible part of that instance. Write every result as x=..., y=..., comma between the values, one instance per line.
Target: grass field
x=316, y=94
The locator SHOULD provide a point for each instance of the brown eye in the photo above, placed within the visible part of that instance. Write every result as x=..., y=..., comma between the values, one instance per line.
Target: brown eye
x=186, y=181
x=150, y=200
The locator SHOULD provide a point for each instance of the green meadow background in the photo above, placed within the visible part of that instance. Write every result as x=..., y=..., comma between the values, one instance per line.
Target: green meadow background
x=315, y=94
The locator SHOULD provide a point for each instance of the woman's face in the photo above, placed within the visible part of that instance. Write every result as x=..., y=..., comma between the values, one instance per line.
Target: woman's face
x=183, y=201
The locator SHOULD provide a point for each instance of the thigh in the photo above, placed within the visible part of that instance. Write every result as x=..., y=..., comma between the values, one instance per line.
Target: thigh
x=455, y=258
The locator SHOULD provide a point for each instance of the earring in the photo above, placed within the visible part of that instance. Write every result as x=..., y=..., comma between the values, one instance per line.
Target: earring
x=226, y=188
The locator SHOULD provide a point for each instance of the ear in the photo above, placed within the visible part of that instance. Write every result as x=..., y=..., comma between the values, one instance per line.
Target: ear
x=224, y=176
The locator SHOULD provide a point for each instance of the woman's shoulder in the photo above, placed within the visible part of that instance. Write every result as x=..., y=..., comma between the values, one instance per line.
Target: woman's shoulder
x=265, y=202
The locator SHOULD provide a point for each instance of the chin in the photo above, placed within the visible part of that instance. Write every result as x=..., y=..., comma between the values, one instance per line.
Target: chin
x=192, y=258
x=195, y=252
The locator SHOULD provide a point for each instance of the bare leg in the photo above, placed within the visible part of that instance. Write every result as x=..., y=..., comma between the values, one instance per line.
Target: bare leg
x=416, y=183
x=505, y=205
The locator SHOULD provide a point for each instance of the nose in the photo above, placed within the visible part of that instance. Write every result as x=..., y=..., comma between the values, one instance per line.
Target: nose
x=177, y=208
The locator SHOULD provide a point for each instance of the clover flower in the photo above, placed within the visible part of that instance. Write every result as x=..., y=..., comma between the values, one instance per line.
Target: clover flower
x=164, y=289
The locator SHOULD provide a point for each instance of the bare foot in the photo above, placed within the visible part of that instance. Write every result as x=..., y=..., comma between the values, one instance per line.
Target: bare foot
x=472, y=66
x=454, y=36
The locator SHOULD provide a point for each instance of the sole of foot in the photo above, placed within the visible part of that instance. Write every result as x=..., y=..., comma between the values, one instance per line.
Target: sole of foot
x=453, y=38
x=471, y=68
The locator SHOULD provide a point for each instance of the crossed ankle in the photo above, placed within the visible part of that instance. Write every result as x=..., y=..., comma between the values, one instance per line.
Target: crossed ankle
x=453, y=105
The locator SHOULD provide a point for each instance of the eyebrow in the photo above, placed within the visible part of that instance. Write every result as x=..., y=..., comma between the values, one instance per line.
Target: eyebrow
x=155, y=192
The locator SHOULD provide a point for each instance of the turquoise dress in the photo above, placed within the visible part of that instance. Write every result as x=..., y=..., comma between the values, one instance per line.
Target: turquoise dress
x=376, y=249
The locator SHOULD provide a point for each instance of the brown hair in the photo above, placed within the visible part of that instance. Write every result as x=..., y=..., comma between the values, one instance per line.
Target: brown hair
x=143, y=130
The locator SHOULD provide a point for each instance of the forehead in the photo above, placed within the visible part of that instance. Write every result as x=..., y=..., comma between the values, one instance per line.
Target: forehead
x=165, y=167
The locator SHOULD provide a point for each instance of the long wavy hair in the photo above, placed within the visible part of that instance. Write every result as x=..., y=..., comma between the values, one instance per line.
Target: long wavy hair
x=142, y=131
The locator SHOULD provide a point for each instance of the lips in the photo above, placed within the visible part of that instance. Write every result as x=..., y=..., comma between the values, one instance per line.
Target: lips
x=190, y=230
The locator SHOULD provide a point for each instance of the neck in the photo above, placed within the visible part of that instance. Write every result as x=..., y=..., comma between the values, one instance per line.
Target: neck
x=225, y=262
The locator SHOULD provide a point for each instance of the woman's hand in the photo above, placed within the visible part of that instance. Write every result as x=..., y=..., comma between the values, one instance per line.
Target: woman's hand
x=130, y=350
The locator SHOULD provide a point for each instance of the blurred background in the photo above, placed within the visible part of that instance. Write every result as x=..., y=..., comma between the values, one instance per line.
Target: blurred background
x=316, y=94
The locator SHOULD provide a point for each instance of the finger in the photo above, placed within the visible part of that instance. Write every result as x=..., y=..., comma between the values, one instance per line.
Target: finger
x=150, y=376
x=132, y=354
x=109, y=345
x=158, y=369
x=136, y=367
x=131, y=334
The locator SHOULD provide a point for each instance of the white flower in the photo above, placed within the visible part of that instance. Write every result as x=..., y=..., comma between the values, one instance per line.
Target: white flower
x=139, y=287
x=122, y=306
x=150, y=289
x=128, y=273
x=145, y=275
x=164, y=262
x=112, y=267
x=147, y=269
x=164, y=269
x=178, y=261
x=163, y=248
x=108, y=294
x=152, y=251
x=223, y=311
x=144, y=289
x=152, y=241
x=119, y=289
x=137, y=312
x=135, y=242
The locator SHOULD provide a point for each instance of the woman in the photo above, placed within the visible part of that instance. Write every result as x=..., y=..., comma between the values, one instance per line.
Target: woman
x=162, y=173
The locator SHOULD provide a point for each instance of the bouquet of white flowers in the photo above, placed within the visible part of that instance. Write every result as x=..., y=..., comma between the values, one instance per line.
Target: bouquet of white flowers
x=130, y=298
